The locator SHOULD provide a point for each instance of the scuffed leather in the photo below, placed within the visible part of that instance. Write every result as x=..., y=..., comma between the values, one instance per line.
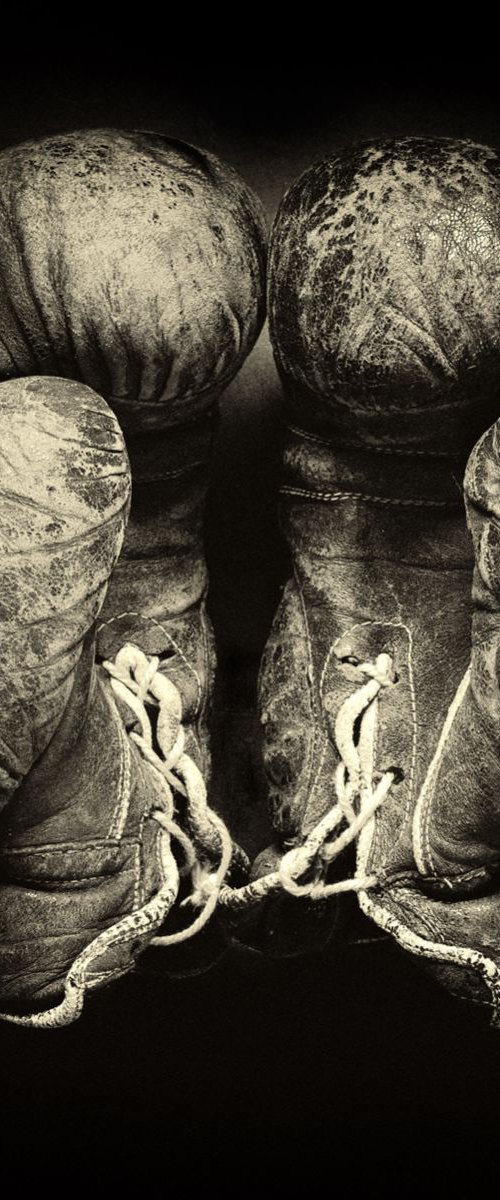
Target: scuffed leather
x=137, y=263
x=78, y=847
x=65, y=496
x=384, y=301
x=78, y=851
x=375, y=570
x=157, y=594
x=133, y=262
x=384, y=293
x=457, y=822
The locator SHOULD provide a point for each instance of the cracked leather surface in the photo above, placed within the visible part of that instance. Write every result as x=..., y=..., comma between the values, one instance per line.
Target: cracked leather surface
x=77, y=848
x=136, y=264
x=133, y=262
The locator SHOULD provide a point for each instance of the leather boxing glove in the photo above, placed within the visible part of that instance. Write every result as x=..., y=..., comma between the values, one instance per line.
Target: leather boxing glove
x=457, y=818
x=135, y=263
x=449, y=914
x=384, y=307
x=86, y=871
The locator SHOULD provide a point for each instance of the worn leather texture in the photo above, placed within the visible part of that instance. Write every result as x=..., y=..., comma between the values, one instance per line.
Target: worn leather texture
x=78, y=849
x=136, y=263
x=384, y=293
x=157, y=594
x=456, y=824
x=384, y=297
x=133, y=262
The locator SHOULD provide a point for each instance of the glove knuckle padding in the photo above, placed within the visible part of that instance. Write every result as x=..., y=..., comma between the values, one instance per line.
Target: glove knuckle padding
x=385, y=290
x=130, y=261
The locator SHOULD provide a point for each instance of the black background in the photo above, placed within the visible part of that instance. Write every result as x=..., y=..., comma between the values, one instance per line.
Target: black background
x=252, y=1069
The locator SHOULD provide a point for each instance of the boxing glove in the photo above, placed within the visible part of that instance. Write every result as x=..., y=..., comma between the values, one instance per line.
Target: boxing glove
x=384, y=309
x=135, y=264
x=87, y=872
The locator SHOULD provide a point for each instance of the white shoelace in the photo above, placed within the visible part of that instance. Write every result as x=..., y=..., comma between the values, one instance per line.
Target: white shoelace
x=353, y=782
x=138, y=681
x=302, y=870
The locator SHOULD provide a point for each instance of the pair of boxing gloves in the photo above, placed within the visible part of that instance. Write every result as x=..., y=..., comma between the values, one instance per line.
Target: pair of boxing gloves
x=132, y=287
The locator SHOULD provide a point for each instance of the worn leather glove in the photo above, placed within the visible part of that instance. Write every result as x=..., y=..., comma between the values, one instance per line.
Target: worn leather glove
x=384, y=305
x=86, y=871
x=135, y=264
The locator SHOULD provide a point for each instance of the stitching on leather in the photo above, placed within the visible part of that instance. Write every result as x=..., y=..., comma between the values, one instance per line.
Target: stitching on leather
x=400, y=561
x=120, y=814
x=463, y=956
x=68, y=883
x=202, y=703
x=427, y=806
x=158, y=854
x=326, y=665
x=375, y=844
x=390, y=450
x=58, y=849
x=413, y=761
x=310, y=437
x=317, y=775
x=471, y=999
x=316, y=720
x=399, y=879
x=173, y=643
x=138, y=890
x=63, y=847
x=335, y=497
x=481, y=874
x=139, y=896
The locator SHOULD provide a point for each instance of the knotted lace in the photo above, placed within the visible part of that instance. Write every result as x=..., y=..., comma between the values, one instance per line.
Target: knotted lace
x=137, y=681
x=206, y=845
x=302, y=871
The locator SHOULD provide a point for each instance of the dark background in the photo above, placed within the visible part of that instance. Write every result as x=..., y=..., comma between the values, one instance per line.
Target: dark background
x=252, y=1069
